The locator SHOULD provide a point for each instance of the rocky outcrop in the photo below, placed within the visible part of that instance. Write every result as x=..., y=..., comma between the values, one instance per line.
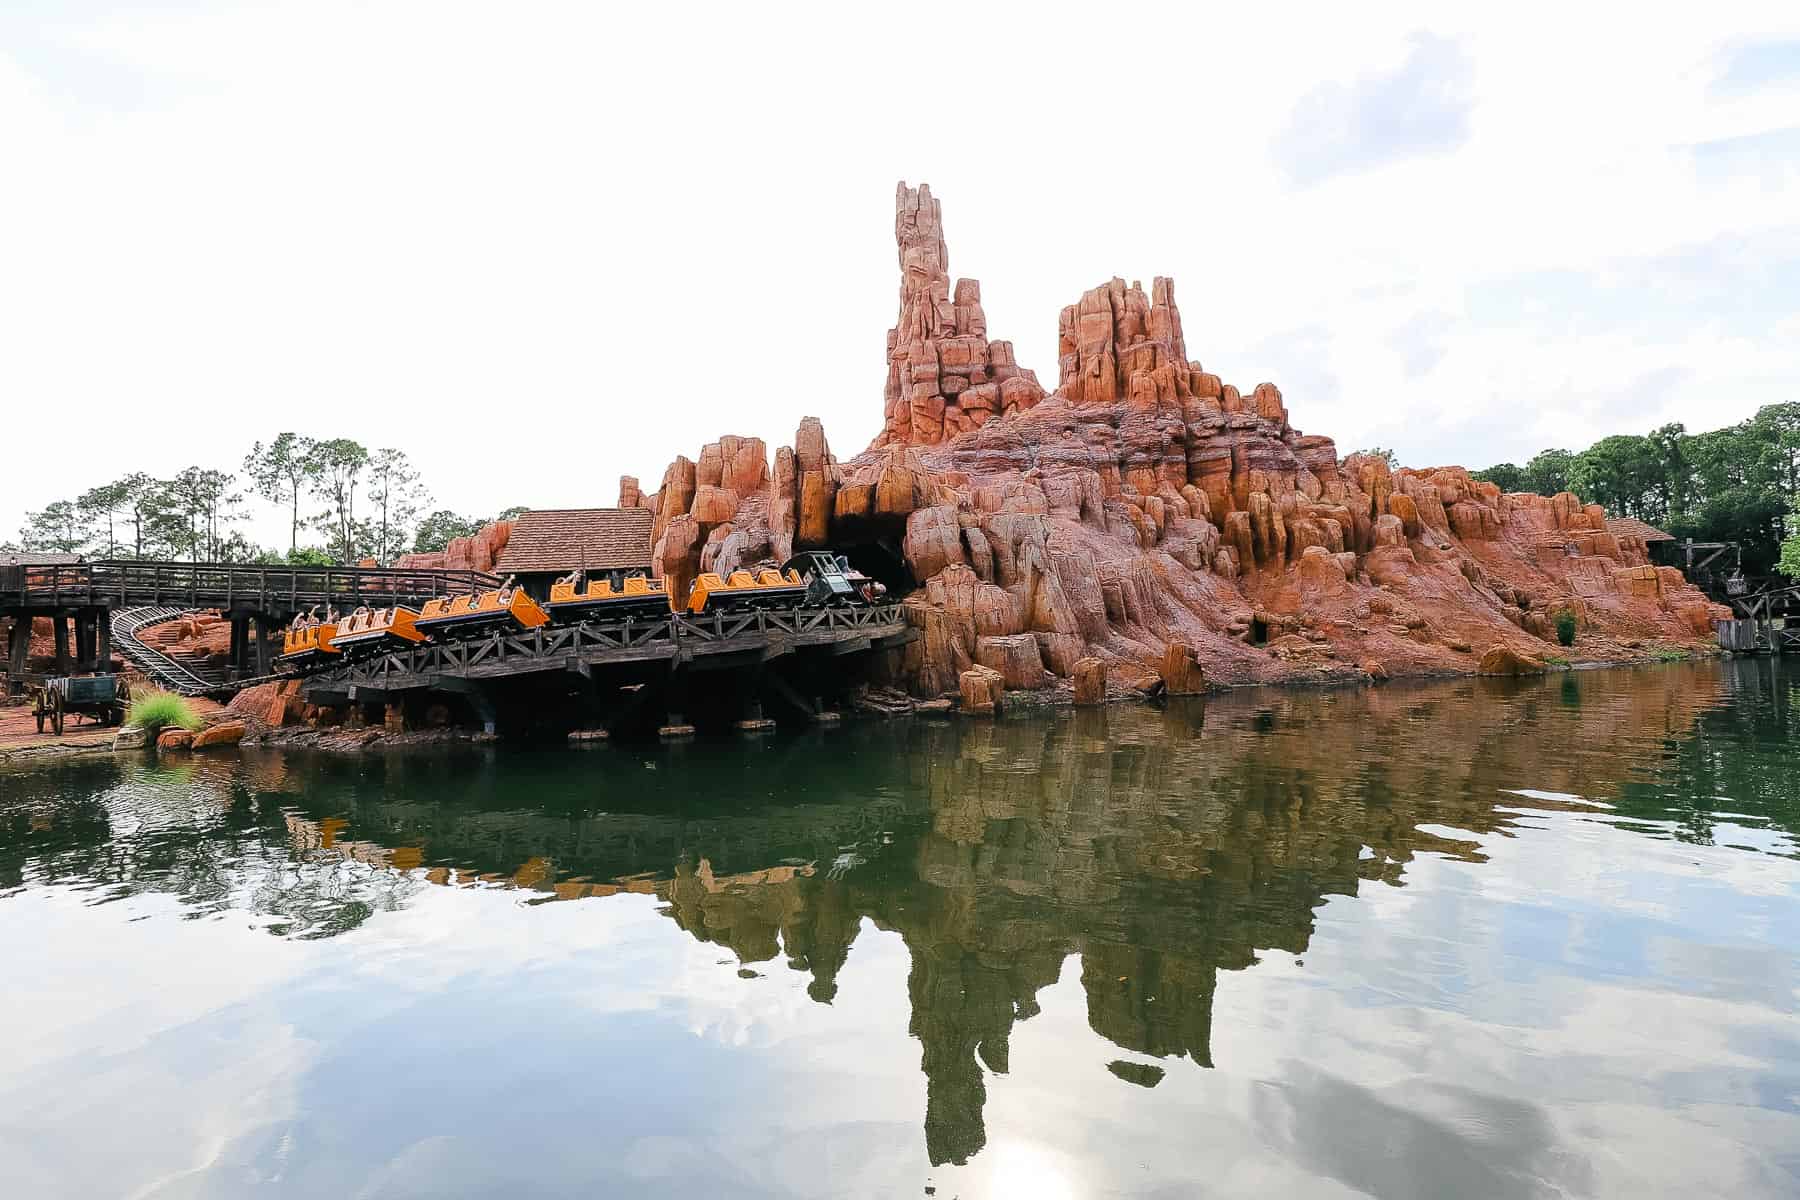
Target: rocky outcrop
x=477, y=552
x=1089, y=679
x=1147, y=504
x=1181, y=672
x=981, y=689
x=1504, y=660
x=226, y=733
x=944, y=376
x=269, y=705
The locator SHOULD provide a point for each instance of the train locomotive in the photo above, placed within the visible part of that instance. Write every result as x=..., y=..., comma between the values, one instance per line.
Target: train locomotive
x=813, y=578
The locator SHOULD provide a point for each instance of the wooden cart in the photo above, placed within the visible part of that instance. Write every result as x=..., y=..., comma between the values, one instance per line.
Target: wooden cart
x=100, y=697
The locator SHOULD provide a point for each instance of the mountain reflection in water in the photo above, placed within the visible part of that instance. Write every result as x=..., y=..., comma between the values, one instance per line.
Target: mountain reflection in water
x=1158, y=847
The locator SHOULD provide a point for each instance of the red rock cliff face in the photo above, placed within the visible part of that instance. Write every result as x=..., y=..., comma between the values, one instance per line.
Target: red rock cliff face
x=1146, y=503
x=944, y=376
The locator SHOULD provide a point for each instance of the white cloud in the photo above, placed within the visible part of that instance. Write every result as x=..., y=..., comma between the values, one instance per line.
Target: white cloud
x=539, y=253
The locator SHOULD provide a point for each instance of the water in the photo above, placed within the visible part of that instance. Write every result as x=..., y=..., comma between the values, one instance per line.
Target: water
x=1478, y=939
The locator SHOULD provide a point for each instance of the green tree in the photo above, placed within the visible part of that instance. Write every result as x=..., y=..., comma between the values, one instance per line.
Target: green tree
x=1384, y=454
x=438, y=529
x=60, y=527
x=1735, y=484
x=144, y=509
x=1789, y=562
x=395, y=493
x=308, y=556
x=337, y=467
x=280, y=472
x=1675, y=490
x=1508, y=477
x=234, y=547
x=1780, y=424
x=1548, y=472
x=202, y=507
x=513, y=513
x=105, y=503
x=1623, y=472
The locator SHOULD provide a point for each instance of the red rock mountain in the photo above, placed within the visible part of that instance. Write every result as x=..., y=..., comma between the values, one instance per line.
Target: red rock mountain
x=1146, y=504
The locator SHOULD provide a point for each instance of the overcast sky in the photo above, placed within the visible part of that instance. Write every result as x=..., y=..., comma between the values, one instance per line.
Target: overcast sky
x=537, y=246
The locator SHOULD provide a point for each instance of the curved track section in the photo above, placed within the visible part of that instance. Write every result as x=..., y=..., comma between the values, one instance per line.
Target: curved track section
x=169, y=673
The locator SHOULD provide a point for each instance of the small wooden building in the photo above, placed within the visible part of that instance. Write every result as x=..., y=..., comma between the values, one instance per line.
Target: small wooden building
x=1660, y=544
x=548, y=543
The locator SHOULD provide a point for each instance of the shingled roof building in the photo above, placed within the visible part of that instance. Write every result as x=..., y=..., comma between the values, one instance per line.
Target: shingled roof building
x=1632, y=527
x=550, y=542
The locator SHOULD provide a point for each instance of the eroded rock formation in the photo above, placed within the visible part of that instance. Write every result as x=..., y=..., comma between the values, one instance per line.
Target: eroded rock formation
x=944, y=377
x=477, y=552
x=1147, y=504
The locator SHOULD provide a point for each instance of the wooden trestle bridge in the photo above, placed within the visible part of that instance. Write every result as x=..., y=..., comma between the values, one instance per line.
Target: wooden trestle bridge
x=91, y=602
x=667, y=651
x=259, y=601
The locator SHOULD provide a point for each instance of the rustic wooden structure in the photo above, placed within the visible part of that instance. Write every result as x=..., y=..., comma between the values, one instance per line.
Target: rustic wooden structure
x=546, y=544
x=78, y=596
x=102, y=697
x=1768, y=618
x=667, y=651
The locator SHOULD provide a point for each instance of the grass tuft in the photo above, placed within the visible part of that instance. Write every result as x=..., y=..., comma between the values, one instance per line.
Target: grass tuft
x=154, y=709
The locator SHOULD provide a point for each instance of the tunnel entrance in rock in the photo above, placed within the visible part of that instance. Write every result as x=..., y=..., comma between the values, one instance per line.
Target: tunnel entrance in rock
x=1259, y=631
x=880, y=558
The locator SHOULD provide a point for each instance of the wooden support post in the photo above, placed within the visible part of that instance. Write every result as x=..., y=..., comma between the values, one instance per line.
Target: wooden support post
x=265, y=645
x=786, y=691
x=84, y=640
x=103, y=640
x=60, y=624
x=675, y=723
x=19, y=652
x=751, y=718
x=240, y=644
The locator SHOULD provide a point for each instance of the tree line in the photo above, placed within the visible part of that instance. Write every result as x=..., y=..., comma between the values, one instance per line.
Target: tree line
x=1736, y=484
x=357, y=503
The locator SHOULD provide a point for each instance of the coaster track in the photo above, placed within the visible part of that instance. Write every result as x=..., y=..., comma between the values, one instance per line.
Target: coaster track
x=165, y=670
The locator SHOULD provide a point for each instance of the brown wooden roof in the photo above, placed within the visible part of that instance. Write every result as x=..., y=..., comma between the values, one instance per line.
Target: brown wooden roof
x=37, y=558
x=564, y=539
x=1632, y=527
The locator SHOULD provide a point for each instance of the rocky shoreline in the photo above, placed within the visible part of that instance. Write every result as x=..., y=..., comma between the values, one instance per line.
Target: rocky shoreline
x=877, y=704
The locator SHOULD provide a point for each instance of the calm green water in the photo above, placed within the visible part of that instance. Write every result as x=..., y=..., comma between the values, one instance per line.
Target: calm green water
x=1470, y=939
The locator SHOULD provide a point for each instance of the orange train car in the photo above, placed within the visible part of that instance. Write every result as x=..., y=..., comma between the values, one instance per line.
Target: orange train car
x=744, y=589
x=459, y=616
x=375, y=629
x=307, y=644
x=599, y=600
x=812, y=578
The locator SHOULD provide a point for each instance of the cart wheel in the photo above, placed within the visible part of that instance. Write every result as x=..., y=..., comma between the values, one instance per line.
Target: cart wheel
x=40, y=720
x=56, y=716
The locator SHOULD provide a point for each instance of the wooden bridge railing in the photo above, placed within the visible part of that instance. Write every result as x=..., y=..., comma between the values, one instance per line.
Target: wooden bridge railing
x=507, y=652
x=265, y=589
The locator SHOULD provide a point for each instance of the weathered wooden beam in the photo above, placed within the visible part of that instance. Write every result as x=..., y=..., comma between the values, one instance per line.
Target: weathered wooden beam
x=19, y=652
